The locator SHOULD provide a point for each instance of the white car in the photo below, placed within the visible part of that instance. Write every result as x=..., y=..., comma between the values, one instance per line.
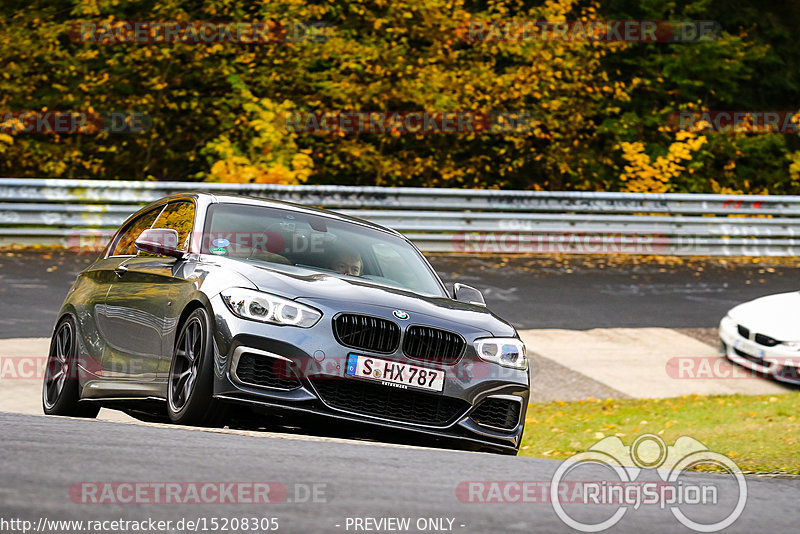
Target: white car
x=764, y=335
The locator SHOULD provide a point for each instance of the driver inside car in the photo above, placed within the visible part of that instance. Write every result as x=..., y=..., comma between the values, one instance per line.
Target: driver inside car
x=347, y=261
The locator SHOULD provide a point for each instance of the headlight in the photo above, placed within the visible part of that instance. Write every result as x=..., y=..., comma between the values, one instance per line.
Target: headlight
x=507, y=351
x=258, y=306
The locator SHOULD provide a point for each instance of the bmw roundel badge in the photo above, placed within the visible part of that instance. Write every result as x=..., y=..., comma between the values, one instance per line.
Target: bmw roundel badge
x=400, y=314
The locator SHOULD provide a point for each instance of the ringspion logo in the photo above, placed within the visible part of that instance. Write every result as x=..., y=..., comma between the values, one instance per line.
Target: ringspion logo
x=649, y=451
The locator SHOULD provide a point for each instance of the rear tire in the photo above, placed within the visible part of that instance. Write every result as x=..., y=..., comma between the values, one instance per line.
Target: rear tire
x=61, y=387
x=191, y=375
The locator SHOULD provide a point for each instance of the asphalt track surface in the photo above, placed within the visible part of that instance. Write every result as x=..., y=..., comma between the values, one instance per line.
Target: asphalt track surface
x=529, y=292
x=44, y=457
x=41, y=458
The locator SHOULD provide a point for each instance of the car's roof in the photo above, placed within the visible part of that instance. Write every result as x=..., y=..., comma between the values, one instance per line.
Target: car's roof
x=280, y=204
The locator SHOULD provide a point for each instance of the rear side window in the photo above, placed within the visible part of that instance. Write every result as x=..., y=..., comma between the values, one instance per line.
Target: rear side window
x=125, y=246
x=178, y=216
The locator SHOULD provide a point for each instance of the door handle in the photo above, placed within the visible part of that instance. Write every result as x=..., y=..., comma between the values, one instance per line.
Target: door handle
x=119, y=271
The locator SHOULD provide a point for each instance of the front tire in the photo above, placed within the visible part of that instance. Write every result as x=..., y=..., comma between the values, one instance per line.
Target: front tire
x=191, y=375
x=61, y=388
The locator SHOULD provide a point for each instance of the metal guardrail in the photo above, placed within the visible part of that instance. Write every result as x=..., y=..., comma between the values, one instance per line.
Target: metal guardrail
x=66, y=212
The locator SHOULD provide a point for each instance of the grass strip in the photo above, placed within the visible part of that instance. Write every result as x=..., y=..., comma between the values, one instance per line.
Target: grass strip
x=760, y=433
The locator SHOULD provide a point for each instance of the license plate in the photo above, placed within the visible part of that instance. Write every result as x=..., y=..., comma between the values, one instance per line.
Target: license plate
x=748, y=347
x=394, y=374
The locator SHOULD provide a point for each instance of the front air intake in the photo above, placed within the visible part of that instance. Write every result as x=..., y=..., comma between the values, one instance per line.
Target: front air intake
x=502, y=414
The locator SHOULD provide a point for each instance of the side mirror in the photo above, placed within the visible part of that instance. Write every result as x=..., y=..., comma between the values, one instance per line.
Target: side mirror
x=160, y=241
x=468, y=294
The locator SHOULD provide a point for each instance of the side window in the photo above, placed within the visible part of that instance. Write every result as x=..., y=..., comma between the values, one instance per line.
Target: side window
x=124, y=246
x=178, y=216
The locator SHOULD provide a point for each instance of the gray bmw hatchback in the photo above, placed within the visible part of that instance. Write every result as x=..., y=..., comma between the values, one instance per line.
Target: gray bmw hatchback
x=205, y=306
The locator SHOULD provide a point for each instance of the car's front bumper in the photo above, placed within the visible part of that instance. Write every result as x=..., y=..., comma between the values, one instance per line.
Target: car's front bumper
x=777, y=362
x=312, y=380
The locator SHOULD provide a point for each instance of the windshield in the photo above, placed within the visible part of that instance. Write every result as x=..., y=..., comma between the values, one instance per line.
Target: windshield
x=289, y=239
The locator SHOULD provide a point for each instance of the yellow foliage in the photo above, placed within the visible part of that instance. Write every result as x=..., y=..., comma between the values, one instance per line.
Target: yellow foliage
x=721, y=190
x=267, y=153
x=644, y=175
x=235, y=168
x=5, y=141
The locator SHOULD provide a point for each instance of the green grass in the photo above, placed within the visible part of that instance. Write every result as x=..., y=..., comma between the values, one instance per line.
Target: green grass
x=760, y=433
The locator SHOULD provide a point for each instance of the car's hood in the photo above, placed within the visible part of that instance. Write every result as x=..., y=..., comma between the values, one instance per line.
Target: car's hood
x=777, y=316
x=309, y=287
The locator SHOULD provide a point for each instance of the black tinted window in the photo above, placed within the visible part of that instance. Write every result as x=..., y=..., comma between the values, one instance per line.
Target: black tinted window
x=178, y=216
x=125, y=240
